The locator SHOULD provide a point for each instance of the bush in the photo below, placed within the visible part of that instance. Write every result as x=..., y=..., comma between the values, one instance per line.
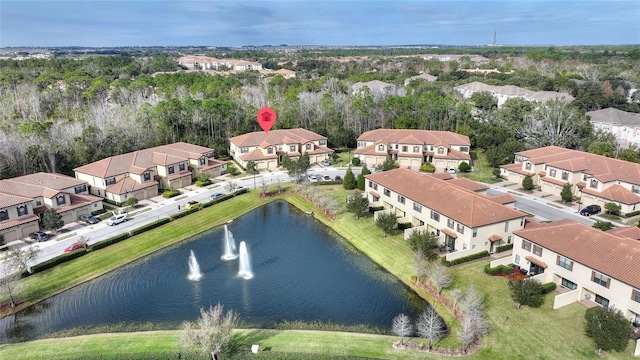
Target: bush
x=612, y=208
x=373, y=209
x=203, y=183
x=526, y=292
x=184, y=213
x=169, y=193
x=465, y=259
x=527, y=183
x=548, y=287
x=428, y=167
x=56, y=261
x=496, y=172
x=501, y=269
x=403, y=226
x=355, y=161
x=464, y=167
x=504, y=247
x=231, y=170
x=109, y=241
x=215, y=201
x=631, y=214
x=149, y=226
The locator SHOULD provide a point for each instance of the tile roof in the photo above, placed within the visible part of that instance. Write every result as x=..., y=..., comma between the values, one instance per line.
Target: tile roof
x=7, y=200
x=601, y=167
x=15, y=222
x=615, y=117
x=469, y=184
x=276, y=137
x=420, y=137
x=502, y=199
x=35, y=185
x=140, y=161
x=616, y=193
x=373, y=85
x=452, y=201
x=512, y=91
x=632, y=232
x=602, y=251
x=127, y=184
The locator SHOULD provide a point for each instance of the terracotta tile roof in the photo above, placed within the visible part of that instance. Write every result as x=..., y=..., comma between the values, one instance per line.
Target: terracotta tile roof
x=601, y=167
x=602, y=251
x=615, y=193
x=536, y=261
x=632, y=232
x=553, y=181
x=276, y=137
x=442, y=175
x=495, y=237
x=211, y=164
x=15, y=222
x=422, y=137
x=502, y=199
x=37, y=185
x=7, y=200
x=461, y=205
x=469, y=184
x=369, y=150
x=77, y=201
x=140, y=161
x=257, y=154
x=127, y=184
x=516, y=168
x=451, y=233
x=374, y=193
x=453, y=154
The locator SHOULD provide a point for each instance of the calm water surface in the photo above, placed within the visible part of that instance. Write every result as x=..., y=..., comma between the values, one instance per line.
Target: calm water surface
x=301, y=272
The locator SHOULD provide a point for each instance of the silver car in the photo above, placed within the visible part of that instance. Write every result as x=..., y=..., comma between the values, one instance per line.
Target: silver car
x=117, y=219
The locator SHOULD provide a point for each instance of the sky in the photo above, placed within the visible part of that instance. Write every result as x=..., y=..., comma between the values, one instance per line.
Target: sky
x=106, y=23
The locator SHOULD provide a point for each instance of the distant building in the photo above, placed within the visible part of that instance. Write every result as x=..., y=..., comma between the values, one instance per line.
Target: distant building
x=426, y=77
x=196, y=62
x=476, y=59
x=504, y=93
x=625, y=126
x=377, y=87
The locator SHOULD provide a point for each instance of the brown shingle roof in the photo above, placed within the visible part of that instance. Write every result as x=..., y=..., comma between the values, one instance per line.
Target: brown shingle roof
x=276, y=137
x=462, y=205
x=602, y=251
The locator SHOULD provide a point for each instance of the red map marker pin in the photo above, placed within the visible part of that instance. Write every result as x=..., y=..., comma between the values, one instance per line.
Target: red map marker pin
x=266, y=118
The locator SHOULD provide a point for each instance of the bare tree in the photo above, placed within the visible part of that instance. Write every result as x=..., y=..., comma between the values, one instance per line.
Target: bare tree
x=431, y=326
x=212, y=331
x=231, y=186
x=402, y=326
x=554, y=123
x=457, y=295
x=440, y=276
x=418, y=263
x=474, y=323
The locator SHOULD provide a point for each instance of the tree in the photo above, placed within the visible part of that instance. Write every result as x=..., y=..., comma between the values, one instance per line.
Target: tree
x=431, y=326
x=386, y=221
x=424, y=242
x=388, y=164
x=484, y=100
x=251, y=167
x=566, y=194
x=603, y=225
x=131, y=201
x=526, y=292
x=527, y=182
x=51, y=220
x=402, y=326
x=231, y=186
x=212, y=331
x=612, y=208
x=357, y=204
x=464, y=167
x=16, y=262
x=349, y=181
x=554, y=123
x=602, y=148
x=608, y=328
x=296, y=168
x=440, y=276
x=474, y=323
x=361, y=179
x=630, y=155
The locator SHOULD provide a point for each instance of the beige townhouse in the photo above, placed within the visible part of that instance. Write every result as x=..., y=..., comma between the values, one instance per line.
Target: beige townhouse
x=141, y=174
x=267, y=149
x=595, y=179
x=466, y=222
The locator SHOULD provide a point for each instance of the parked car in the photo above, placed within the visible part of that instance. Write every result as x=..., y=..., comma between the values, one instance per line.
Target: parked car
x=590, y=210
x=117, y=219
x=451, y=170
x=326, y=178
x=312, y=178
x=192, y=205
x=241, y=188
x=89, y=219
x=338, y=178
x=39, y=236
x=325, y=163
x=75, y=246
x=216, y=196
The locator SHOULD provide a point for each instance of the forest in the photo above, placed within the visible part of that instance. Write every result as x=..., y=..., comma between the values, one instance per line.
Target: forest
x=61, y=113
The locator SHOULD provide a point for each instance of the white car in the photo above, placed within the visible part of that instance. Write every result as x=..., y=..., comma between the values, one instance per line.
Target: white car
x=312, y=178
x=326, y=178
x=117, y=219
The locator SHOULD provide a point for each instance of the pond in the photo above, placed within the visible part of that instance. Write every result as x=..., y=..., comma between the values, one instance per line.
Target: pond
x=302, y=271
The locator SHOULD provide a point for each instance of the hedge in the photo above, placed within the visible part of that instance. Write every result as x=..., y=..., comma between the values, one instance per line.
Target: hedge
x=169, y=193
x=109, y=241
x=183, y=213
x=373, y=209
x=403, y=226
x=149, y=226
x=548, y=287
x=504, y=247
x=465, y=259
x=218, y=200
x=500, y=269
x=203, y=183
x=56, y=261
x=631, y=214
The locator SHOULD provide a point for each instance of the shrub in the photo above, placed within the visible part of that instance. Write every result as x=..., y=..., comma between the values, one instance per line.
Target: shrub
x=504, y=247
x=496, y=172
x=149, y=226
x=169, y=193
x=231, y=170
x=184, y=213
x=56, y=261
x=632, y=214
x=526, y=292
x=548, y=287
x=501, y=269
x=403, y=226
x=203, y=183
x=464, y=167
x=215, y=201
x=527, y=183
x=355, y=161
x=373, y=209
x=603, y=225
x=109, y=241
x=428, y=167
x=566, y=194
x=612, y=208
x=465, y=259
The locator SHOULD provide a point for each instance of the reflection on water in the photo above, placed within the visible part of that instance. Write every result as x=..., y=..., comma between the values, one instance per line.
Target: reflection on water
x=302, y=273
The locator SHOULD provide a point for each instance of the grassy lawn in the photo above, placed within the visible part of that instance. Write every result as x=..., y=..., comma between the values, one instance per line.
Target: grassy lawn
x=344, y=156
x=482, y=171
x=514, y=334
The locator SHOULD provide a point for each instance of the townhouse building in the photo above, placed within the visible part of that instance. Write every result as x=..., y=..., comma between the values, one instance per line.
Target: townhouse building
x=267, y=149
x=23, y=200
x=413, y=148
x=625, y=126
x=465, y=222
x=594, y=179
x=506, y=92
x=585, y=263
x=141, y=174
x=199, y=62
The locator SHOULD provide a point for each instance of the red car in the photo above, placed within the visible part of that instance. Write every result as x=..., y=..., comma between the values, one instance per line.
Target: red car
x=75, y=246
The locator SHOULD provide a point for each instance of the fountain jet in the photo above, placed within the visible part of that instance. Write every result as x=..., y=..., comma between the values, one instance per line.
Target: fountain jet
x=194, y=268
x=229, y=245
x=245, y=262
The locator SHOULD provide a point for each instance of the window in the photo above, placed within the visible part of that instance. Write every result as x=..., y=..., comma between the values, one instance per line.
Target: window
x=464, y=148
x=435, y=216
x=22, y=210
x=509, y=239
x=416, y=149
x=506, y=226
x=181, y=166
x=38, y=202
x=600, y=279
x=464, y=246
x=147, y=176
x=450, y=223
x=292, y=148
x=401, y=199
x=517, y=259
x=526, y=245
x=270, y=150
x=60, y=200
x=370, y=184
x=110, y=181
x=374, y=198
x=170, y=169
x=635, y=295
x=440, y=150
x=594, y=184
x=417, y=207
x=537, y=250
x=279, y=147
x=460, y=228
x=380, y=147
x=565, y=263
x=521, y=221
x=203, y=160
x=475, y=232
x=244, y=150
x=4, y=215
x=568, y=284
x=405, y=148
x=308, y=146
x=552, y=173
x=602, y=300
x=565, y=175
x=635, y=189
x=80, y=188
x=322, y=142
x=387, y=192
x=527, y=165
x=361, y=144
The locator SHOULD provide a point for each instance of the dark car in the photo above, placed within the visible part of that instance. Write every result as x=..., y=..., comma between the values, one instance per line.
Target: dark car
x=39, y=236
x=216, y=196
x=590, y=210
x=89, y=219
